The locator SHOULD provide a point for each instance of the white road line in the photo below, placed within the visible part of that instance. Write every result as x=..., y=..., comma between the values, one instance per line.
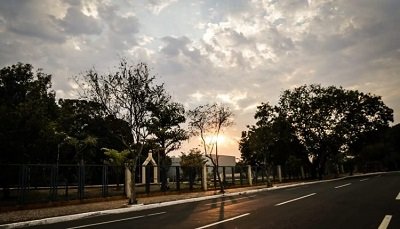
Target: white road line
x=118, y=220
x=398, y=196
x=385, y=222
x=364, y=179
x=341, y=186
x=246, y=197
x=223, y=221
x=302, y=197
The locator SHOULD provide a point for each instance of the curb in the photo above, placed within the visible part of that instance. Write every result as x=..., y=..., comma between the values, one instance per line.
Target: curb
x=140, y=207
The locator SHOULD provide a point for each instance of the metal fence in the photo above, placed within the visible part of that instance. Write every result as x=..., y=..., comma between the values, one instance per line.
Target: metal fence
x=42, y=183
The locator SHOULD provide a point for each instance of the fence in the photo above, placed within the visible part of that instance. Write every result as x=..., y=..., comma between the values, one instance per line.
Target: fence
x=42, y=183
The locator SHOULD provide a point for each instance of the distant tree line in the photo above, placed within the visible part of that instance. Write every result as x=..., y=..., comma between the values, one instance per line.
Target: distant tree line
x=323, y=128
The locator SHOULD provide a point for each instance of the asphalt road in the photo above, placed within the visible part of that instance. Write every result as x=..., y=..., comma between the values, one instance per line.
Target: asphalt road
x=362, y=202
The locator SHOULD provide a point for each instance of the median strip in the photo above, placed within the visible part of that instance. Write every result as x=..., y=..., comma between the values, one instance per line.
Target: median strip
x=341, y=186
x=118, y=220
x=223, y=221
x=299, y=198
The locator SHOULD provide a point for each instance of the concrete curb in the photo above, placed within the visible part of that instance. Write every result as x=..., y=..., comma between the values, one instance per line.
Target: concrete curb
x=140, y=207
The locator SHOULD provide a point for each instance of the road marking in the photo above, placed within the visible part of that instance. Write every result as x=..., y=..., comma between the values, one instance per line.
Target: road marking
x=364, y=179
x=246, y=197
x=223, y=221
x=341, y=186
x=302, y=197
x=118, y=220
x=385, y=222
x=398, y=196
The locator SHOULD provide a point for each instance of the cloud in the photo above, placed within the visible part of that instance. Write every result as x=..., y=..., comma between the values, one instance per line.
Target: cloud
x=25, y=18
x=238, y=52
x=75, y=22
x=156, y=6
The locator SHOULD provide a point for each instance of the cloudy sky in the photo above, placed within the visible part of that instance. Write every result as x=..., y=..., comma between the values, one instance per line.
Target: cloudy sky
x=237, y=52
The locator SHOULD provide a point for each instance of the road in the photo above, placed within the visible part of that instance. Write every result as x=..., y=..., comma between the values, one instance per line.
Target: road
x=358, y=202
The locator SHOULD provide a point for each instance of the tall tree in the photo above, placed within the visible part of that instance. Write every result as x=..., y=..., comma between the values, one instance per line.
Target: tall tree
x=207, y=122
x=167, y=135
x=329, y=120
x=256, y=144
x=27, y=115
x=125, y=94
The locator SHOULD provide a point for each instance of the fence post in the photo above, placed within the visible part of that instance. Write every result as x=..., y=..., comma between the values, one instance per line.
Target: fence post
x=81, y=181
x=178, y=178
x=128, y=181
x=249, y=178
x=104, y=185
x=53, y=185
x=143, y=174
x=233, y=175
x=204, y=177
x=155, y=176
x=22, y=184
x=302, y=172
x=241, y=175
x=279, y=173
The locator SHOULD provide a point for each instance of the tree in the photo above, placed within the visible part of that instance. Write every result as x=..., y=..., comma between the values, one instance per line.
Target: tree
x=329, y=121
x=191, y=163
x=270, y=141
x=167, y=135
x=125, y=94
x=27, y=115
x=256, y=144
x=117, y=159
x=208, y=121
x=78, y=125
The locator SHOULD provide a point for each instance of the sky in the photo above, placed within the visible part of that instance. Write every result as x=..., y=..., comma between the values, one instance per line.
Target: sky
x=236, y=52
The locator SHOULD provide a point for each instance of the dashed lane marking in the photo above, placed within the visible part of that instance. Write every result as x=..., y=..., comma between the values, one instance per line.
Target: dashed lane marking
x=223, y=221
x=385, y=222
x=118, y=220
x=299, y=198
x=364, y=179
x=341, y=186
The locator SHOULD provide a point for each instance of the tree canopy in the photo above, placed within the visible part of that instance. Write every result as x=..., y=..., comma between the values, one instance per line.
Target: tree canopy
x=327, y=123
x=27, y=115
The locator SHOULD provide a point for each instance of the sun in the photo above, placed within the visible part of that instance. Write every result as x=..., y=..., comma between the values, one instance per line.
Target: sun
x=212, y=139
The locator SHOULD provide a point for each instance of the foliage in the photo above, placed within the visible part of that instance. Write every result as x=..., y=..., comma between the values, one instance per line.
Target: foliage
x=27, y=115
x=165, y=130
x=115, y=157
x=269, y=142
x=330, y=120
x=127, y=94
x=192, y=163
x=193, y=159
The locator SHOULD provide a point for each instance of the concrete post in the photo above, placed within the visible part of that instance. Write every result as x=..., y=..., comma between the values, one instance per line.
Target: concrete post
x=128, y=181
x=143, y=174
x=204, y=176
x=341, y=168
x=249, y=176
x=155, y=169
x=279, y=173
x=302, y=172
